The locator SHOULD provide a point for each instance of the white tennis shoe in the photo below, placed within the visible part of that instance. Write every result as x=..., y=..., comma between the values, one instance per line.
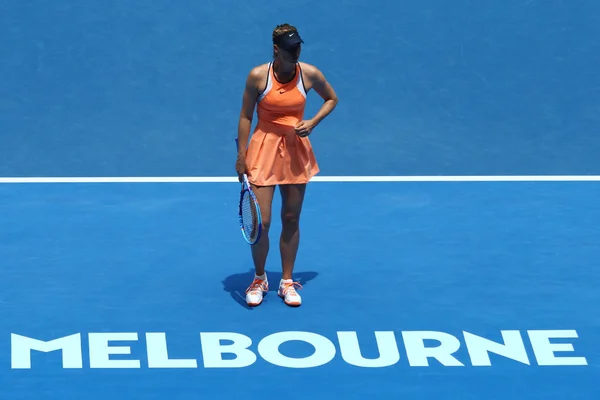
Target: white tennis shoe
x=256, y=291
x=287, y=291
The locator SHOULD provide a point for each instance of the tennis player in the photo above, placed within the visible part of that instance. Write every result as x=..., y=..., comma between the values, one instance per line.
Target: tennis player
x=279, y=152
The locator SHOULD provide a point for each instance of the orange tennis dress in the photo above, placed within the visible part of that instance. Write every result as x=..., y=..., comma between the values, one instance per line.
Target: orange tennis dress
x=276, y=155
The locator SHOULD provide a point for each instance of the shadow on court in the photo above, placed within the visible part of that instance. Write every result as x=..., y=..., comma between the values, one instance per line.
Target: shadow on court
x=237, y=284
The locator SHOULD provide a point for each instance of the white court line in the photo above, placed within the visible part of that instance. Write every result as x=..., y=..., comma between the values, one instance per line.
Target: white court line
x=225, y=179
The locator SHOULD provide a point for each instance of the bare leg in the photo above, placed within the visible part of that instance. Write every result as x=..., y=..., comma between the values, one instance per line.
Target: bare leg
x=292, y=198
x=260, y=250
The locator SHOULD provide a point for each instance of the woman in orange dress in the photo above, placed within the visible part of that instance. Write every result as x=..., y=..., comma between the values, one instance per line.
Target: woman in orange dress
x=279, y=153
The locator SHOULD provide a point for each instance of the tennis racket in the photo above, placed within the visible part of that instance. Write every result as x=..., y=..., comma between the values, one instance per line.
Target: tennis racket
x=249, y=211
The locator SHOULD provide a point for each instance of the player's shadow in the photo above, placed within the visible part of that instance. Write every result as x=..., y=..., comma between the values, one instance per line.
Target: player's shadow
x=237, y=284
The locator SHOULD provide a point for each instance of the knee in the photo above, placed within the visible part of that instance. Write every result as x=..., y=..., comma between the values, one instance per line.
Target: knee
x=266, y=224
x=290, y=219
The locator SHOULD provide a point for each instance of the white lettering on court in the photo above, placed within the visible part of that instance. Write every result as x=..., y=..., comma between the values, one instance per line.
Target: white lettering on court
x=268, y=348
x=418, y=354
x=70, y=346
x=386, y=346
x=232, y=350
x=213, y=350
x=480, y=347
x=544, y=350
x=158, y=354
x=101, y=350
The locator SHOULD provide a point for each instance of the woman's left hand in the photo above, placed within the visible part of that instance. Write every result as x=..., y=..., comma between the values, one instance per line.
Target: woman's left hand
x=304, y=128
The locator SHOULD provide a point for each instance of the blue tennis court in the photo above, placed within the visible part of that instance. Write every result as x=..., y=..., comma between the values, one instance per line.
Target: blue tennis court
x=430, y=264
x=449, y=247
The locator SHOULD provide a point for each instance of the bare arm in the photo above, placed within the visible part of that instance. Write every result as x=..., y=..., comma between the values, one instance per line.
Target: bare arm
x=323, y=89
x=245, y=121
x=247, y=112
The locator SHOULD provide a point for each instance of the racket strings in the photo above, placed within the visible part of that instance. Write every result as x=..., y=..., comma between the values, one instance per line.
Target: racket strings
x=249, y=217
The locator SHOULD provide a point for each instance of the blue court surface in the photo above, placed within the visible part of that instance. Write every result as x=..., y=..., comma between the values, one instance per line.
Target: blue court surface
x=449, y=246
x=440, y=270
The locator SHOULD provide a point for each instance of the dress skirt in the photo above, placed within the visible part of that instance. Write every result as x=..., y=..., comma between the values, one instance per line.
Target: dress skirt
x=276, y=155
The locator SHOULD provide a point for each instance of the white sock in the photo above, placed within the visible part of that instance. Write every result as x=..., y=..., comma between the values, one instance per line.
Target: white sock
x=262, y=277
x=285, y=281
